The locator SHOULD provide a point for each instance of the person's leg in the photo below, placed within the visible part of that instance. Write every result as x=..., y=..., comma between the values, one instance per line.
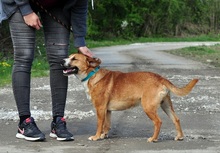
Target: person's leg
x=23, y=38
x=57, y=45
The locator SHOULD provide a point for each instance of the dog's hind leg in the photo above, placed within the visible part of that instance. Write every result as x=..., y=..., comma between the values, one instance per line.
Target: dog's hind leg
x=167, y=107
x=107, y=125
x=150, y=107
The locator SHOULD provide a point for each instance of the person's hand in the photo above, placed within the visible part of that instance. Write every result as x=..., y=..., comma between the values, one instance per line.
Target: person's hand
x=32, y=20
x=84, y=50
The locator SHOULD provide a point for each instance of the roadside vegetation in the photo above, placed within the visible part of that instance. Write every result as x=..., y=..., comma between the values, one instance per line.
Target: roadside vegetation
x=205, y=54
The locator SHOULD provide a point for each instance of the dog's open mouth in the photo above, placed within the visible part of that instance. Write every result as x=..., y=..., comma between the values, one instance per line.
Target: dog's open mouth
x=69, y=71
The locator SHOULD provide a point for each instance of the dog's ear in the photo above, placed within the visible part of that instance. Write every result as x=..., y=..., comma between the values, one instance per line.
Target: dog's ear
x=93, y=62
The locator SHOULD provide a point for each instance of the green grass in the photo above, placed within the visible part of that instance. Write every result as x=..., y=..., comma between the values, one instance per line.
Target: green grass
x=41, y=68
x=5, y=71
x=205, y=54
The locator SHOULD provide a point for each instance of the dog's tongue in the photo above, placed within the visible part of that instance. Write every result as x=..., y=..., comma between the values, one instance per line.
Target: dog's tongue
x=67, y=71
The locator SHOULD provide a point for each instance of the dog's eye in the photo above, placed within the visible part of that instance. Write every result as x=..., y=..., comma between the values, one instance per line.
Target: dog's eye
x=73, y=59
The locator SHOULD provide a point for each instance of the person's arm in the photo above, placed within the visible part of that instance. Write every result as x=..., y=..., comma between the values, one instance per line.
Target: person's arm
x=24, y=7
x=79, y=26
x=78, y=22
x=30, y=18
x=76, y=12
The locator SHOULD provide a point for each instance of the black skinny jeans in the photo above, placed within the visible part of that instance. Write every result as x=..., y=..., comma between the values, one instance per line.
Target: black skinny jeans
x=57, y=43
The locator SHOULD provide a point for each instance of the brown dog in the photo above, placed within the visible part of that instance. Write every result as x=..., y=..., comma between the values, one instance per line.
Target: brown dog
x=114, y=90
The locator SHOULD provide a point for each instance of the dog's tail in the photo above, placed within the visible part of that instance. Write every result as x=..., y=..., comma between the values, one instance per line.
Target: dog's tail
x=181, y=91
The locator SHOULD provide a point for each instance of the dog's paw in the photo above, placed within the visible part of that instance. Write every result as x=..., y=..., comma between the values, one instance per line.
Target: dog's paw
x=151, y=139
x=93, y=138
x=104, y=135
x=178, y=138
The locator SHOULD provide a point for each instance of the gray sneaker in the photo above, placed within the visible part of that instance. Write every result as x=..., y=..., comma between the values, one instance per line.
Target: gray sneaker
x=59, y=130
x=28, y=130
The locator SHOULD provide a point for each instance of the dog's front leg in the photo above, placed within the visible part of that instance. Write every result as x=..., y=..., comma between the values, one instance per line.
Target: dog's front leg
x=100, y=122
x=107, y=125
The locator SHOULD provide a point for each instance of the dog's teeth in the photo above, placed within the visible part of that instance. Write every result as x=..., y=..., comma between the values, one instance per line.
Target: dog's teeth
x=67, y=71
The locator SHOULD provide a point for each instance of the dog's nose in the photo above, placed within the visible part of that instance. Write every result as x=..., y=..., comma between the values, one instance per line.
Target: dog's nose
x=62, y=63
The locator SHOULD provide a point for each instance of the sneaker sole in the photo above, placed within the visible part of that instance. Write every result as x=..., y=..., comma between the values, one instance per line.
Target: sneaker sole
x=21, y=136
x=52, y=135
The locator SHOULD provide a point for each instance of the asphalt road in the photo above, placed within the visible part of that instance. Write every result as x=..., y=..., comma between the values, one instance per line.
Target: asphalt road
x=199, y=111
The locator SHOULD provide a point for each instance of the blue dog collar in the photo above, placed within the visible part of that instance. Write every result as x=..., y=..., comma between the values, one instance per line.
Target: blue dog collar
x=91, y=74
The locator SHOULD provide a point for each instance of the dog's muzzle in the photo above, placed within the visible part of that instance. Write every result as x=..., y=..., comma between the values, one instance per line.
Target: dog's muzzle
x=68, y=70
x=63, y=62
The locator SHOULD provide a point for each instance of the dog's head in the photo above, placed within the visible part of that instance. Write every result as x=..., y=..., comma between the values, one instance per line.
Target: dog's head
x=79, y=64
